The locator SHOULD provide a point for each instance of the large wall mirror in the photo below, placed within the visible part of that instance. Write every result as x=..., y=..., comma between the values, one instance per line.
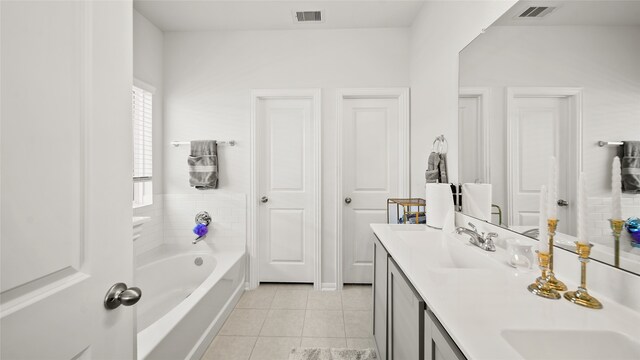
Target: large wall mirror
x=554, y=78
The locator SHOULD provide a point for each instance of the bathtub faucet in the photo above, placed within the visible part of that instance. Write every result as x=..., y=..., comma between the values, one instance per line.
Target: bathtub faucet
x=198, y=239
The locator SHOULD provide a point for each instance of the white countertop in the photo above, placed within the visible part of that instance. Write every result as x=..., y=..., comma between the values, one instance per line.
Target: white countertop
x=475, y=305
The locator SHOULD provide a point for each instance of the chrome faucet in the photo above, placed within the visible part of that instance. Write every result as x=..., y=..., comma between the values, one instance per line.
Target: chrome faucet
x=484, y=242
x=198, y=239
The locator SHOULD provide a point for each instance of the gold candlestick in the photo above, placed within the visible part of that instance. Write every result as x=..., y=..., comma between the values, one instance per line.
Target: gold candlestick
x=541, y=286
x=581, y=296
x=554, y=283
x=616, y=227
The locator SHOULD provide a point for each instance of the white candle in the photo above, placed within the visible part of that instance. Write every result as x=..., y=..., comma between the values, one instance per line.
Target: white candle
x=616, y=189
x=552, y=188
x=543, y=244
x=582, y=210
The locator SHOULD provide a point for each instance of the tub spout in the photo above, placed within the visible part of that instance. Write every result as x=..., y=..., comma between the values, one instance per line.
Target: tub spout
x=198, y=239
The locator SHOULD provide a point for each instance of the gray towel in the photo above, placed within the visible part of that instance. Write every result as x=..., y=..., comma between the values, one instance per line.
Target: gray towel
x=437, y=168
x=631, y=167
x=433, y=173
x=203, y=164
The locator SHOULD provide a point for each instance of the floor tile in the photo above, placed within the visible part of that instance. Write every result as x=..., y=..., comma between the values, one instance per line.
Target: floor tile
x=357, y=323
x=282, y=286
x=274, y=348
x=323, y=323
x=357, y=297
x=260, y=298
x=247, y=322
x=230, y=348
x=311, y=342
x=290, y=299
x=360, y=343
x=324, y=300
x=283, y=323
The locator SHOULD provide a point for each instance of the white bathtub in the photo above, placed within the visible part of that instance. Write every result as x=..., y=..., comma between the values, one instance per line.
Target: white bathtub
x=184, y=305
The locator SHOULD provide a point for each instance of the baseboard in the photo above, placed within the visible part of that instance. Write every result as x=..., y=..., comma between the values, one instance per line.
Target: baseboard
x=216, y=324
x=328, y=287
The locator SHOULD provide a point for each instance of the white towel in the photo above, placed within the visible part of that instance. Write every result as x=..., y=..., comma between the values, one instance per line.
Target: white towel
x=476, y=200
x=439, y=200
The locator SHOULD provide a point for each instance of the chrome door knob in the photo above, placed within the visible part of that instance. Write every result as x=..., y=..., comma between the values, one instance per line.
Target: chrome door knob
x=563, y=202
x=264, y=199
x=119, y=294
x=347, y=200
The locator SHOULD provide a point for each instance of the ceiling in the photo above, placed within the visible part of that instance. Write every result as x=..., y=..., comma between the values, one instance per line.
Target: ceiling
x=188, y=15
x=574, y=12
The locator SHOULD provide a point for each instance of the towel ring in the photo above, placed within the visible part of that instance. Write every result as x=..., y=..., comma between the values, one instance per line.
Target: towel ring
x=440, y=145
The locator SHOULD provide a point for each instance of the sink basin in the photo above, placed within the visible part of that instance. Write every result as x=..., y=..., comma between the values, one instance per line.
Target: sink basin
x=572, y=344
x=445, y=252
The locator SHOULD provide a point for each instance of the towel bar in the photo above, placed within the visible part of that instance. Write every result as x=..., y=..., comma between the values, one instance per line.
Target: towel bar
x=605, y=143
x=179, y=143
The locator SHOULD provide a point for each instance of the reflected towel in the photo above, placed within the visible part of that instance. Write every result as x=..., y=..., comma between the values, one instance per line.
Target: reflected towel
x=631, y=167
x=432, y=174
x=203, y=164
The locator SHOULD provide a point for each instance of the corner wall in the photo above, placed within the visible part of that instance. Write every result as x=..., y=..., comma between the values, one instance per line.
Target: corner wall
x=439, y=32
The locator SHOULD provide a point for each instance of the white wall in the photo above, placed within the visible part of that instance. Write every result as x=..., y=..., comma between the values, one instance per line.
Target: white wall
x=209, y=75
x=148, y=42
x=602, y=60
x=439, y=32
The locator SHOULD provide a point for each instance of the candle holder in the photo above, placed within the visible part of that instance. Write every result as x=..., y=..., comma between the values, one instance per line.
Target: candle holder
x=551, y=281
x=541, y=286
x=616, y=227
x=581, y=296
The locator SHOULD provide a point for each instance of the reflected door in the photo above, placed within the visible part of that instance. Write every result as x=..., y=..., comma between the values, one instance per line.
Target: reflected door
x=370, y=176
x=286, y=188
x=539, y=129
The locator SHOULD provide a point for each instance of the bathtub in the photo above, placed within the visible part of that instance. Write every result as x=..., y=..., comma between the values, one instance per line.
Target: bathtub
x=184, y=304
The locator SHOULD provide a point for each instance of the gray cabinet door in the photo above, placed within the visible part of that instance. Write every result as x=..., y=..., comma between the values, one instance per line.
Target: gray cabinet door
x=438, y=343
x=380, y=256
x=406, y=318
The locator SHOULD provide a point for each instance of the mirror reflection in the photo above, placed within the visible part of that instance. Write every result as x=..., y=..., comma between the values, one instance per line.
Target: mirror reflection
x=562, y=82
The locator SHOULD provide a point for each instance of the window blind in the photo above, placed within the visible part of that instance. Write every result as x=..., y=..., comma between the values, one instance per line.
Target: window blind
x=142, y=135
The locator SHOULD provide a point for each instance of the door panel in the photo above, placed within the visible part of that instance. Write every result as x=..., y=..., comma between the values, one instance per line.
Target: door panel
x=539, y=130
x=66, y=223
x=286, y=219
x=370, y=176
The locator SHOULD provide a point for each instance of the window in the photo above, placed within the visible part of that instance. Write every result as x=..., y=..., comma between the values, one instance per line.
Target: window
x=142, y=101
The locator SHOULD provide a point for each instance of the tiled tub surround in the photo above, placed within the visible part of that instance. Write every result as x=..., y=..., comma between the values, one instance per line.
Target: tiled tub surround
x=152, y=234
x=500, y=300
x=270, y=320
x=228, y=211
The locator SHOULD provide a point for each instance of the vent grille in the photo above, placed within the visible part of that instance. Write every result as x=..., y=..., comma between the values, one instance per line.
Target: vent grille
x=308, y=16
x=536, y=12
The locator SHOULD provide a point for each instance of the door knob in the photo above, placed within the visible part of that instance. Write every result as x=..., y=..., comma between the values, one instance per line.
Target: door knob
x=264, y=199
x=347, y=200
x=563, y=202
x=119, y=294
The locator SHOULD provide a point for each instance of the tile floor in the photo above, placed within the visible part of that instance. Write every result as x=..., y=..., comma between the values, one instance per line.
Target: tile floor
x=270, y=320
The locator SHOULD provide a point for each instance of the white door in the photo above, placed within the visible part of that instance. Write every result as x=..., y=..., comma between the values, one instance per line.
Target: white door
x=471, y=160
x=370, y=169
x=66, y=185
x=286, y=187
x=539, y=129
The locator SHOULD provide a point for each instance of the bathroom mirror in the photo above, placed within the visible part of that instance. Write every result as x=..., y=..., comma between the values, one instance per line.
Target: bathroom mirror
x=553, y=79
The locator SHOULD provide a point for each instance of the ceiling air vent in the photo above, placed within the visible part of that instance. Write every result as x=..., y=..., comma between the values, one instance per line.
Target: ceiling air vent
x=308, y=16
x=536, y=12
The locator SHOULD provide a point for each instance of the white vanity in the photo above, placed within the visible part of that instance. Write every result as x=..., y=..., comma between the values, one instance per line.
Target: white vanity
x=438, y=297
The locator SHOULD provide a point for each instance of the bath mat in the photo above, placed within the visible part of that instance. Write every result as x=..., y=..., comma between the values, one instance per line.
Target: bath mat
x=331, y=354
